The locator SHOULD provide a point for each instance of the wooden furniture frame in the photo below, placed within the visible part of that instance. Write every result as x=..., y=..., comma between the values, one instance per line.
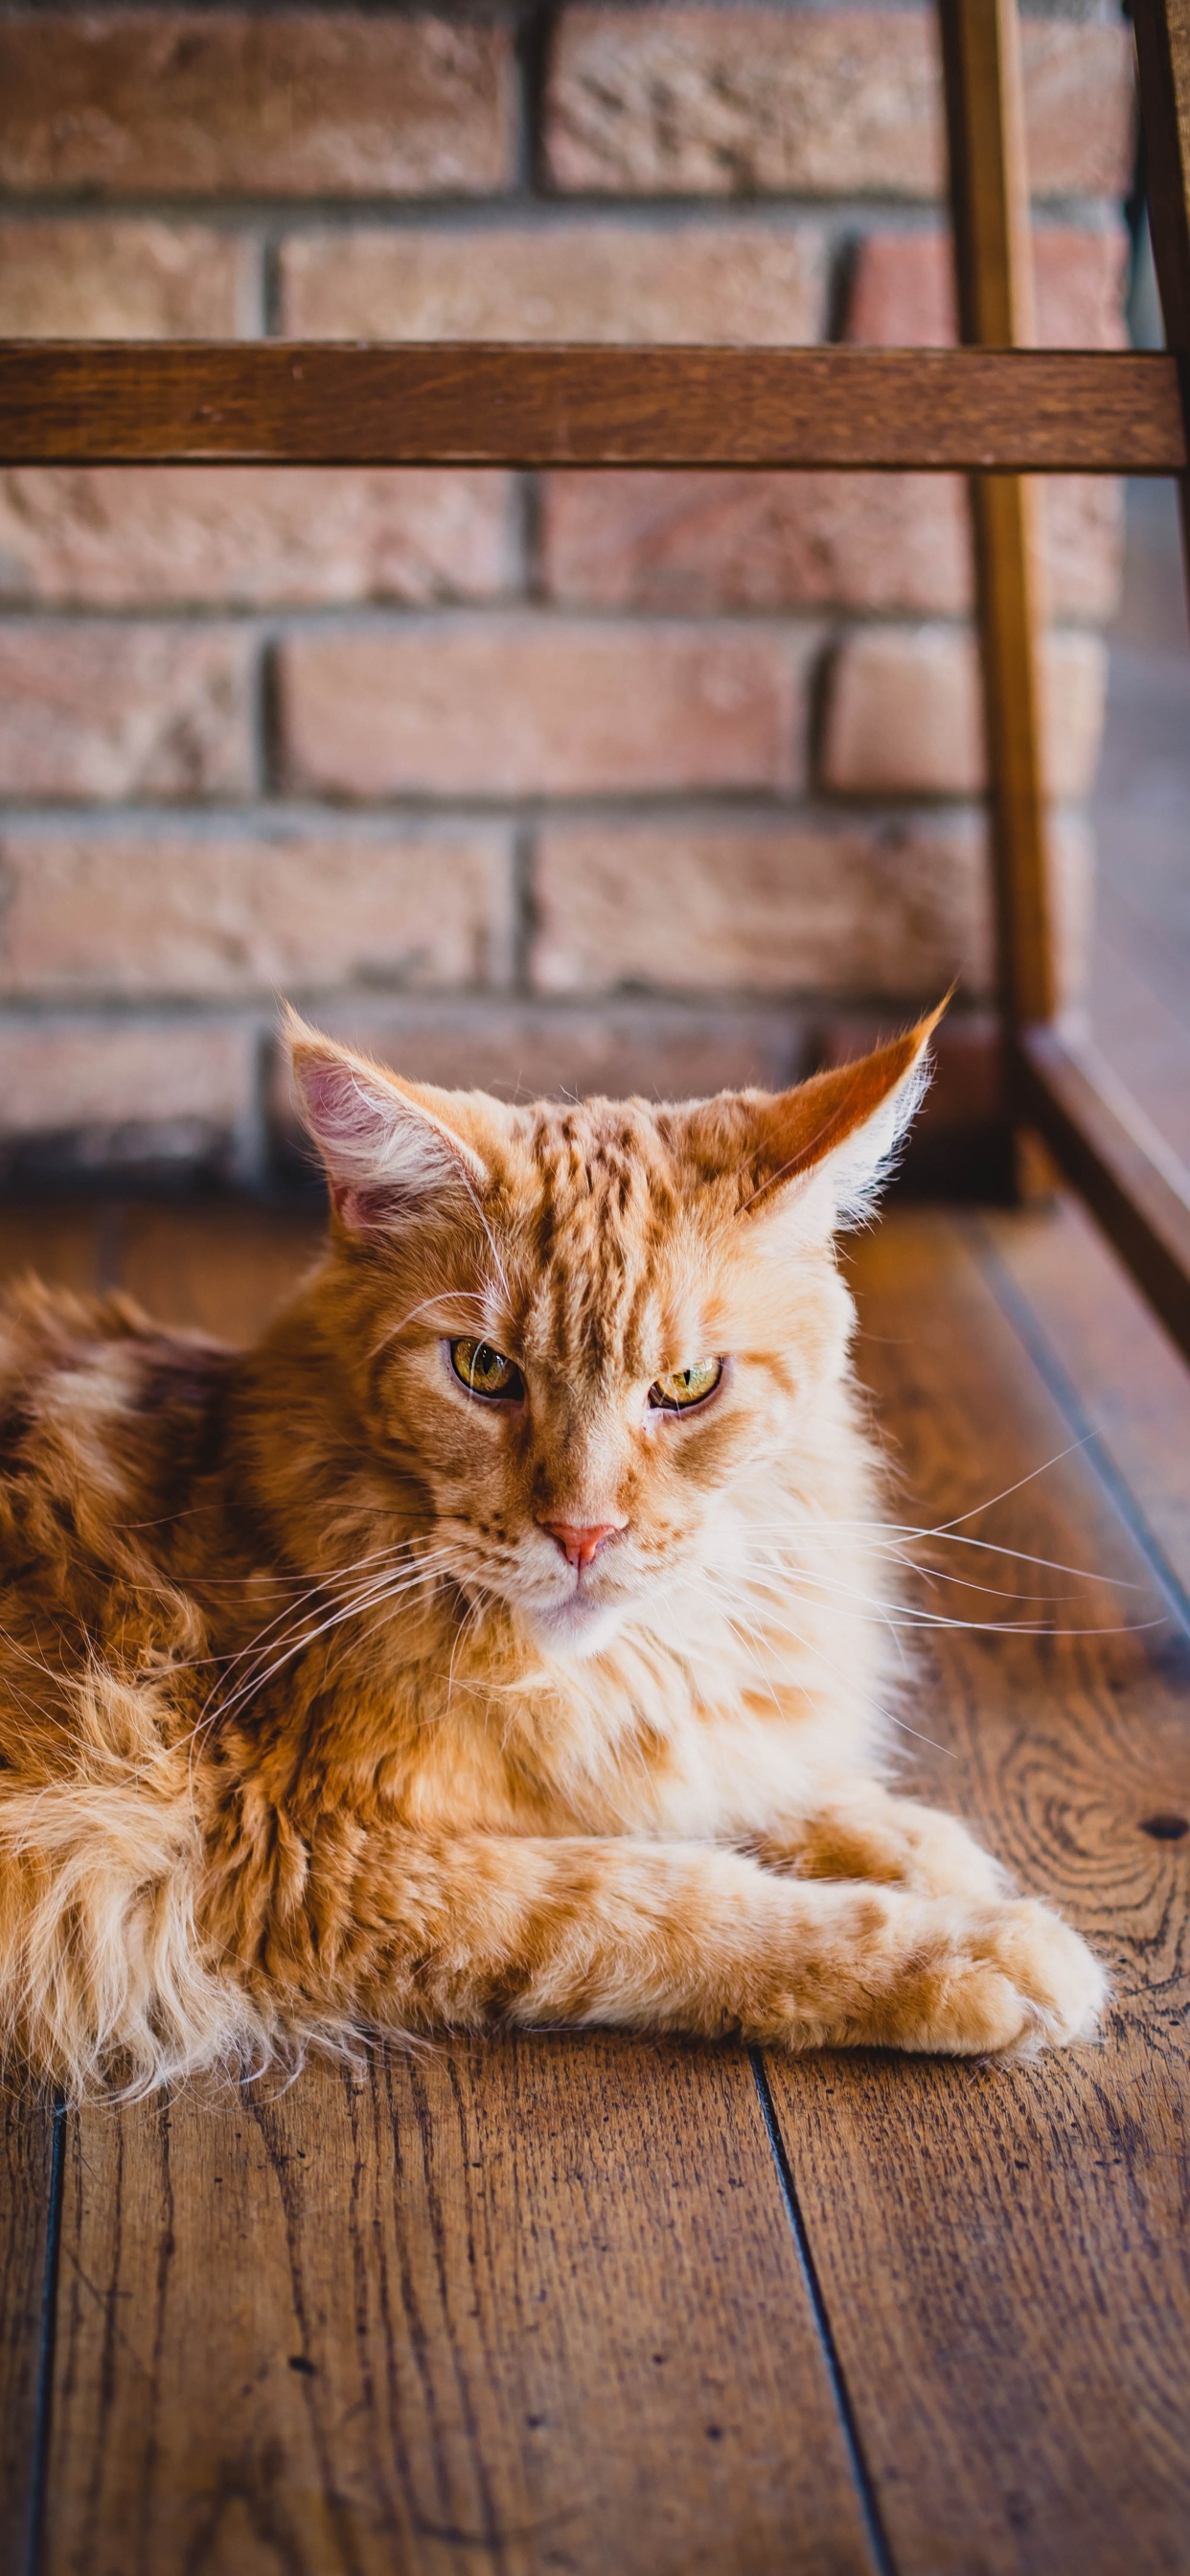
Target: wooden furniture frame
x=995, y=408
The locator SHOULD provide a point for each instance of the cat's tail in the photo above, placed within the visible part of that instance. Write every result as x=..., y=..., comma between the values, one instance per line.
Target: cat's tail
x=104, y=1983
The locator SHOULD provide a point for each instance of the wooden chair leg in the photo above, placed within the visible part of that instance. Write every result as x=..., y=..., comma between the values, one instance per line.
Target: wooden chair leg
x=989, y=197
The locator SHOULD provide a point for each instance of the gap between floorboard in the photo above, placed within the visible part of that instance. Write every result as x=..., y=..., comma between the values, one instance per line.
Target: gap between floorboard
x=865, y=2484
x=39, y=2466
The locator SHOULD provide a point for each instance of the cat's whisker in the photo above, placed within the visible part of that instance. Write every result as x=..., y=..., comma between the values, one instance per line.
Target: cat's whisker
x=904, y=1614
x=384, y=1560
x=1050, y=1564
x=324, y=1584
x=880, y=1614
x=440, y=1297
x=892, y=1533
x=171, y=1666
x=960, y=1582
x=389, y=1607
x=472, y=1615
x=929, y=1574
x=1002, y=1497
x=889, y=1715
x=382, y=1587
x=909, y=1615
x=490, y=1239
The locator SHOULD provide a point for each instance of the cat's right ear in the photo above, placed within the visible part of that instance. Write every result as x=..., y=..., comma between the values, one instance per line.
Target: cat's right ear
x=388, y=1155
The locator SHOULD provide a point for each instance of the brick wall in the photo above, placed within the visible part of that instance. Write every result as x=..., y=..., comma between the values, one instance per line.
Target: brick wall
x=584, y=780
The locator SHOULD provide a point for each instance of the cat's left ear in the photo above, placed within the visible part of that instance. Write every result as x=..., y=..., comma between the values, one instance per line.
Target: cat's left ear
x=816, y=1156
x=391, y=1154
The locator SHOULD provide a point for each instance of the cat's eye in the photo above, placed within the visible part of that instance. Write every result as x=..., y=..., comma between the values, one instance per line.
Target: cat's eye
x=486, y=1372
x=681, y=1388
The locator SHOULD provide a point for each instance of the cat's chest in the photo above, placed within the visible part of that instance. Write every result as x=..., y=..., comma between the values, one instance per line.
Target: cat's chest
x=725, y=1772
x=645, y=1740
x=706, y=1775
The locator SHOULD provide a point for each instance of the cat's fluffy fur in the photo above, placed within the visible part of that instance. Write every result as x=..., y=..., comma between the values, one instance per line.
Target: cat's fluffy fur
x=308, y=1727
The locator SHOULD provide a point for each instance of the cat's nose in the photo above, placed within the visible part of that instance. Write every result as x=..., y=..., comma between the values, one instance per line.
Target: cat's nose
x=580, y=1546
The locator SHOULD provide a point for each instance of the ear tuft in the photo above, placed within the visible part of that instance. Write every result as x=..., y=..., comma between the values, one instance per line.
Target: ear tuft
x=386, y=1154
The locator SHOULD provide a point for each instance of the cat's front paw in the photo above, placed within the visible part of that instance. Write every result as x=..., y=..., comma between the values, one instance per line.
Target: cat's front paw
x=1005, y=1981
x=888, y=1842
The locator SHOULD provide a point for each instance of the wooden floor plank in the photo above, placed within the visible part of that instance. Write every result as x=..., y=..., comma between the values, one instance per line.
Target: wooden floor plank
x=218, y=1266
x=533, y=2306
x=60, y=1242
x=26, y=2167
x=1003, y=2254
x=221, y=1268
x=1123, y=1370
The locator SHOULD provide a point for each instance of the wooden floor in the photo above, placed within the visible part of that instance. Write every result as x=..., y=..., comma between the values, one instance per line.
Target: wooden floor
x=552, y=2304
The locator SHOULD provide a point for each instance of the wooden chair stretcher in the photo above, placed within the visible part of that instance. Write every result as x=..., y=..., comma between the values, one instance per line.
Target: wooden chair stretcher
x=995, y=408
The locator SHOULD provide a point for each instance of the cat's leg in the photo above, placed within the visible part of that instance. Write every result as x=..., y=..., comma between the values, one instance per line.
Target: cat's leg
x=857, y=1829
x=682, y=1937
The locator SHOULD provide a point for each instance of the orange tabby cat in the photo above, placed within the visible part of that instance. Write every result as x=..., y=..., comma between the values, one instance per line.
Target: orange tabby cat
x=483, y=1645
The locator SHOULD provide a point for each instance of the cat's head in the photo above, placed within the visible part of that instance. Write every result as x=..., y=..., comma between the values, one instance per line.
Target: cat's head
x=584, y=1332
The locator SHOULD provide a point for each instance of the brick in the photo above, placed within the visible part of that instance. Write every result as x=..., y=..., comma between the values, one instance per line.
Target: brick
x=717, y=102
x=253, y=535
x=701, y=101
x=903, y=713
x=89, y=708
x=224, y=911
x=903, y=297
x=541, y=706
x=105, y=278
x=800, y=905
x=659, y=1049
x=92, y=1076
x=758, y=281
x=1081, y=531
x=696, y=542
x=1080, y=108
x=690, y=544
x=181, y=101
